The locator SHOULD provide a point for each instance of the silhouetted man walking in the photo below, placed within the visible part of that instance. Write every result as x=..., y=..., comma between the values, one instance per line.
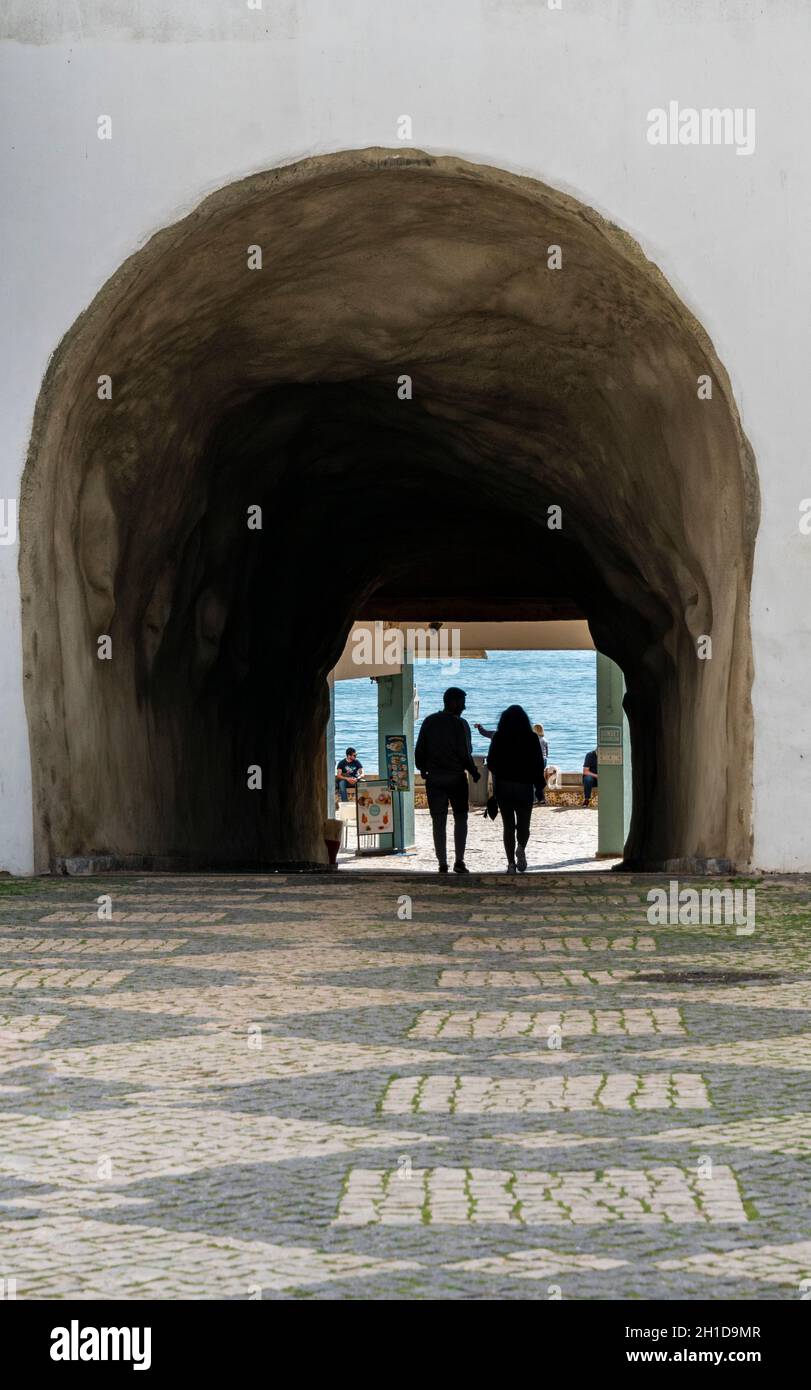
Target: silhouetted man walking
x=444, y=753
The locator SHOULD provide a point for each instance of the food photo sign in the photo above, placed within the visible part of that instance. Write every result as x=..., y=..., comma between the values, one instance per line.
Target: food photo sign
x=375, y=802
x=397, y=762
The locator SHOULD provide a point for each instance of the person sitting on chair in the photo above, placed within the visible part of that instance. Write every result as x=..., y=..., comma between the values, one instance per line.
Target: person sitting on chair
x=589, y=776
x=349, y=773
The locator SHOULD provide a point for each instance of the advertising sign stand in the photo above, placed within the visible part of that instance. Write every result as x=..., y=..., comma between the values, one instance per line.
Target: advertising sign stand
x=379, y=802
x=397, y=771
x=374, y=812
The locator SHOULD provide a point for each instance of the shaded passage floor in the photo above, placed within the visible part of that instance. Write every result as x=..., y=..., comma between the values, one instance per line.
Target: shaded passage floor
x=282, y=1087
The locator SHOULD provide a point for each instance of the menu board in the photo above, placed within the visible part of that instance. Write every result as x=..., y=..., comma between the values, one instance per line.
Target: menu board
x=375, y=805
x=397, y=762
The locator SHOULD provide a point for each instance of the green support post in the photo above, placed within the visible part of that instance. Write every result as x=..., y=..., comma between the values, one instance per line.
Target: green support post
x=395, y=715
x=613, y=761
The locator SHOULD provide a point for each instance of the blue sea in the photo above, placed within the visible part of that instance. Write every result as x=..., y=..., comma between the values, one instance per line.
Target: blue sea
x=557, y=689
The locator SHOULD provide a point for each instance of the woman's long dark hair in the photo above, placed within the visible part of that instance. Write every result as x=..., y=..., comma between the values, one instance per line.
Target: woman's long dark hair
x=514, y=722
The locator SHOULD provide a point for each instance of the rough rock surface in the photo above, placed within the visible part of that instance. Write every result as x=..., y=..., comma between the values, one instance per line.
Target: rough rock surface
x=277, y=387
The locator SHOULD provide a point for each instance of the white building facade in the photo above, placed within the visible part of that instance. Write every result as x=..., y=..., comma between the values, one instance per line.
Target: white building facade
x=196, y=96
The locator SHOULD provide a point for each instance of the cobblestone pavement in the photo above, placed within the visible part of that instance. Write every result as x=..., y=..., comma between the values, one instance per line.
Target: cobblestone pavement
x=561, y=838
x=285, y=1087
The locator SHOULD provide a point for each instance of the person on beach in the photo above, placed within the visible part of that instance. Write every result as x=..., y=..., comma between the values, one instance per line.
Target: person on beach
x=516, y=762
x=589, y=776
x=444, y=754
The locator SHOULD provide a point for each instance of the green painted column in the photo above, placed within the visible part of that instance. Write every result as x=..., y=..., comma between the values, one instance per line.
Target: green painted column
x=395, y=715
x=613, y=761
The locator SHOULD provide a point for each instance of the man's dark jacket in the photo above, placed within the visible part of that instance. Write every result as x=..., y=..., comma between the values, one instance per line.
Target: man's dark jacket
x=444, y=748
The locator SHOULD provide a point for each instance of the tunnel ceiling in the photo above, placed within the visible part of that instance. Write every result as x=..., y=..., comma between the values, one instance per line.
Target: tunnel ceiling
x=232, y=387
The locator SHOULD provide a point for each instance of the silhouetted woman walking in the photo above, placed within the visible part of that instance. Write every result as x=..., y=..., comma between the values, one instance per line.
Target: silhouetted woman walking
x=516, y=762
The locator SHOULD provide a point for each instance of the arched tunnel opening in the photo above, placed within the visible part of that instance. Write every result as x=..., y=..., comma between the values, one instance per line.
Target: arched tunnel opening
x=540, y=378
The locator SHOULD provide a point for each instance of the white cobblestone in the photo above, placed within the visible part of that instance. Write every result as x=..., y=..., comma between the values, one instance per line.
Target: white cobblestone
x=516, y=1023
x=536, y=1198
x=481, y=1095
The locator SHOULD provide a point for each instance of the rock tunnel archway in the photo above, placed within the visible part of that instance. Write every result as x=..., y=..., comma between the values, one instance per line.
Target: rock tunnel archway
x=234, y=387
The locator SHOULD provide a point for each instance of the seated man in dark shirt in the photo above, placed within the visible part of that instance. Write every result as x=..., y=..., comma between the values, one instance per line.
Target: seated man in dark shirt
x=444, y=754
x=349, y=773
x=589, y=776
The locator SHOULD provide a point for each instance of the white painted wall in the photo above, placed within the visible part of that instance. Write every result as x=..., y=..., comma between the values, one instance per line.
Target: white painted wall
x=207, y=91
